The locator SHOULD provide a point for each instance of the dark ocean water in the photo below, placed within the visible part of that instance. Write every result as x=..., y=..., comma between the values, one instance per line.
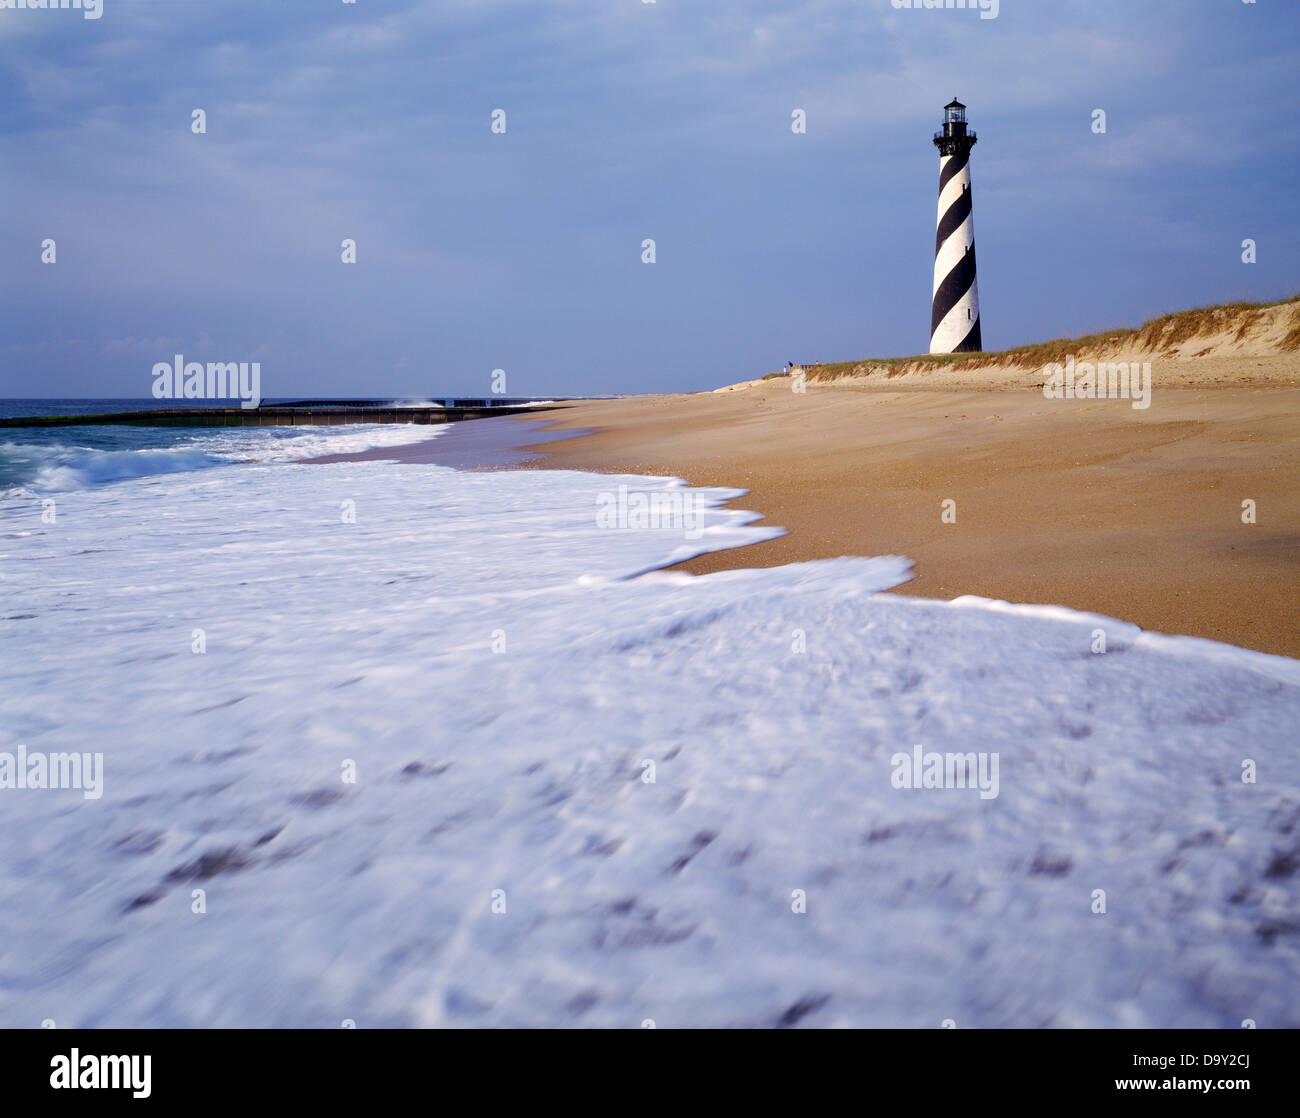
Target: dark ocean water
x=58, y=458
x=19, y=408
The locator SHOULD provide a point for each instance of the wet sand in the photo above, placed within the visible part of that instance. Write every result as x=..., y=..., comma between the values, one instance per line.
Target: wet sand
x=1094, y=505
x=472, y=444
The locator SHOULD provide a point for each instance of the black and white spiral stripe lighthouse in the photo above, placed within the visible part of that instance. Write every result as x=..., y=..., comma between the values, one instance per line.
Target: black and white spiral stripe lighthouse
x=955, y=306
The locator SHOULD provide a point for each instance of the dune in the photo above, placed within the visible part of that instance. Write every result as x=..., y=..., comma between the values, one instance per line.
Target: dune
x=1237, y=343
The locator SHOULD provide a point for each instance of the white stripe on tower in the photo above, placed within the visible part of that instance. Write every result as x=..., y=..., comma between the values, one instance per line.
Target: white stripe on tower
x=955, y=304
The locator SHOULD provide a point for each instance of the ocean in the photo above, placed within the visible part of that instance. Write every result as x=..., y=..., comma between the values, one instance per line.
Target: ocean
x=49, y=459
x=403, y=745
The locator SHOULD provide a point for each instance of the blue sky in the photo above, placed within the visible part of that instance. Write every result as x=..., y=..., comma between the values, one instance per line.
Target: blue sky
x=625, y=120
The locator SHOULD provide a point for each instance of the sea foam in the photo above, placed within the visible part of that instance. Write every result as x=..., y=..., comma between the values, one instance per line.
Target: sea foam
x=442, y=761
x=54, y=460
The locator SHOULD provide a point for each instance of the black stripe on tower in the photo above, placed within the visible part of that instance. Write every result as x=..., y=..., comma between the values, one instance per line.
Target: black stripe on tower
x=951, y=291
x=958, y=212
x=953, y=167
x=971, y=343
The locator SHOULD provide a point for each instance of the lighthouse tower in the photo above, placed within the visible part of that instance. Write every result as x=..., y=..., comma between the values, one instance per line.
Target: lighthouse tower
x=955, y=308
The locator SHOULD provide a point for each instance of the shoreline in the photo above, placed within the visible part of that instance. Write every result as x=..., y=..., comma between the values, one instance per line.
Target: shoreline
x=1091, y=505
x=469, y=444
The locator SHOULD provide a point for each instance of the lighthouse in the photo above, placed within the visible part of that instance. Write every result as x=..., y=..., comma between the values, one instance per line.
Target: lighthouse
x=955, y=305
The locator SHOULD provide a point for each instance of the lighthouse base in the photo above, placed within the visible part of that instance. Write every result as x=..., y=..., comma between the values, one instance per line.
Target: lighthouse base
x=970, y=343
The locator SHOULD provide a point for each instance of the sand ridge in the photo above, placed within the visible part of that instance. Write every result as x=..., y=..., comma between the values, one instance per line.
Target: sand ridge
x=1239, y=344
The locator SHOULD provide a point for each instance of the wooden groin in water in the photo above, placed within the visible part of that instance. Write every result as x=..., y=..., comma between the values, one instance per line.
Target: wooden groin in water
x=311, y=414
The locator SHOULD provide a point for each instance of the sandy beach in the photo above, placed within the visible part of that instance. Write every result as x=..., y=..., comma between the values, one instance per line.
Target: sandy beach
x=1090, y=504
x=1133, y=512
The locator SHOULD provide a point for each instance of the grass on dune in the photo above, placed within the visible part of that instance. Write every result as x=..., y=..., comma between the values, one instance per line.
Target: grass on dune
x=1158, y=335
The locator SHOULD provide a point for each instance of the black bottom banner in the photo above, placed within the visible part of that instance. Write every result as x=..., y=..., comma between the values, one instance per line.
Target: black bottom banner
x=1243, y=1069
